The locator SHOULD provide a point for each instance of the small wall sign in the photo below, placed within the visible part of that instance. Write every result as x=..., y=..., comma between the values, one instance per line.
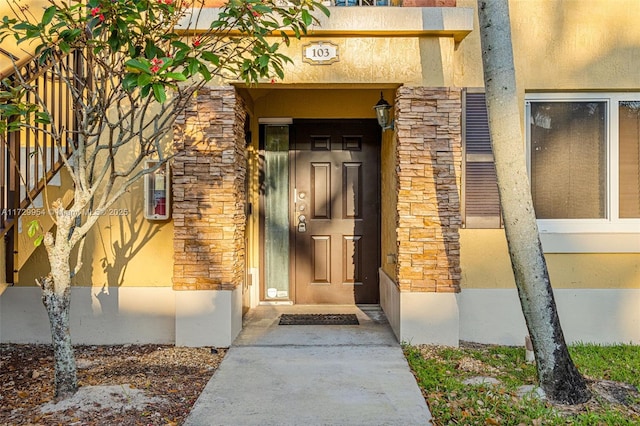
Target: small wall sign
x=320, y=53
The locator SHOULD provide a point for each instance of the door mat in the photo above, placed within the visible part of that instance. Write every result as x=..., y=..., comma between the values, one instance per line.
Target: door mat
x=318, y=319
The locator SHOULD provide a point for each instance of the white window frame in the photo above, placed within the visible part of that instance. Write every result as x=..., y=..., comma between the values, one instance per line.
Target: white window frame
x=606, y=235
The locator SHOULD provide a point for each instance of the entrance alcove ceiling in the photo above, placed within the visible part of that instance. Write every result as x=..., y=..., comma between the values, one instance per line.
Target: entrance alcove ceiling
x=258, y=91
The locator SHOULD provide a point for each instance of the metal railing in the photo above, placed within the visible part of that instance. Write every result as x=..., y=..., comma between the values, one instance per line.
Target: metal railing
x=31, y=157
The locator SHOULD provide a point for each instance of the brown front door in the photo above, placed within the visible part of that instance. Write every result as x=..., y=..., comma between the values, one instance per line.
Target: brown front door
x=335, y=217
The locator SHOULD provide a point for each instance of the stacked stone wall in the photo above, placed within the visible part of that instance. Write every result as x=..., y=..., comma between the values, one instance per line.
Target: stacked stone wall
x=429, y=161
x=209, y=192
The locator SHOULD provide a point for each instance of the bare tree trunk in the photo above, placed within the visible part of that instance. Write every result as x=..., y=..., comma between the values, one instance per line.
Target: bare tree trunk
x=557, y=374
x=57, y=305
x=56, y=296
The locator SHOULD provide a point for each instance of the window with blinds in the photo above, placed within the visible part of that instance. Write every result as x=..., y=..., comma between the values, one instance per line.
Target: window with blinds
x=584, y=161
x=568, y=159
x=629, y=159
x=481, y=206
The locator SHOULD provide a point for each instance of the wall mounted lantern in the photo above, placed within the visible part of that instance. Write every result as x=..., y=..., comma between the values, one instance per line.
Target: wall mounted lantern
x=382, y=113
x=156, y=192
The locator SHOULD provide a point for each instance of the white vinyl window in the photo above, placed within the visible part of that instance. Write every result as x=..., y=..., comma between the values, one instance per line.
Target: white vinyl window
x=583, y=153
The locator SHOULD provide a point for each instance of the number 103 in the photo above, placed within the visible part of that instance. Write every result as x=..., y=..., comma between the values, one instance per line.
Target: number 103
x=320, y=52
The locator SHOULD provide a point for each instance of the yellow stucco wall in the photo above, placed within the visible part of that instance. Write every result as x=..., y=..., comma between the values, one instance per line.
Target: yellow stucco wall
x=20, y=51
x=425, y=61
x=309, y=103
x=559, y=45
x=362, y=60
x=564, y=45
x=121, y=250
x=388, y=211
x=129, y=250
x=485, y=264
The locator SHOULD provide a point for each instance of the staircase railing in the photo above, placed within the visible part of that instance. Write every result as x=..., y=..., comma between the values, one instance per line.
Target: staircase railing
x=30, y=157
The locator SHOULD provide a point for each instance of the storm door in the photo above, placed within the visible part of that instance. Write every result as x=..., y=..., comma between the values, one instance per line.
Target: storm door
x=335, y=193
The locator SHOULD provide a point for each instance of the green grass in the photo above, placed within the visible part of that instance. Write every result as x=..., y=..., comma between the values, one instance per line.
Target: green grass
x=440, y=373
x=620, y=363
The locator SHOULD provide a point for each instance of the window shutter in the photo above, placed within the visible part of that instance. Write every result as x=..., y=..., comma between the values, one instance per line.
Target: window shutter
x=481, y=207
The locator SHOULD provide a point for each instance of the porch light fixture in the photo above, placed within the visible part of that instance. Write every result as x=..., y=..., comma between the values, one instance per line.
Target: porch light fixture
x=382, y=113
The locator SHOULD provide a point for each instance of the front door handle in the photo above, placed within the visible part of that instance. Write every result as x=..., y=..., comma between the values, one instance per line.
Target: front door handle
x=302, y=223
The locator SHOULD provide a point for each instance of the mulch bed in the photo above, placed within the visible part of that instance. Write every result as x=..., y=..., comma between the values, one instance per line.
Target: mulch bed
x=170, y=377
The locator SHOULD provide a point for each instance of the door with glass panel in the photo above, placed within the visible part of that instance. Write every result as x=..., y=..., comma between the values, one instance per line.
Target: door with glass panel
x=321, y=211
x=335, y=213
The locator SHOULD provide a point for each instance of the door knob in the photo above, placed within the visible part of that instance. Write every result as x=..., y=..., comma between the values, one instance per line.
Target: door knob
x=302, y=224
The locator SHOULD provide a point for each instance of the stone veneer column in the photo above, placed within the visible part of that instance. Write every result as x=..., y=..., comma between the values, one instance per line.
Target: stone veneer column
x=209, y=192
x=429, y=162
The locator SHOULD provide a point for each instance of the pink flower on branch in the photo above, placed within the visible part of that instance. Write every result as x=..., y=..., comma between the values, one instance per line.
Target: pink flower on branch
x=96, y=11
x=155, y=65
x=253, y=12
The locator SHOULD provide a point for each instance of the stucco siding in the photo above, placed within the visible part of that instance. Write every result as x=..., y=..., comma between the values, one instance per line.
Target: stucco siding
x=119, y=316
x=388, y=212
x=563, y=44
x=484, y=261
x=586, y=315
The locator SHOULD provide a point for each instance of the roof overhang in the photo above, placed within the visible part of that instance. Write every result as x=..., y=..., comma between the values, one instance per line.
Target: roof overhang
x=456, y=22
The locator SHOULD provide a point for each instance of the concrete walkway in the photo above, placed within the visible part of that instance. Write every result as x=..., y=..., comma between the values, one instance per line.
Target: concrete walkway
x=312, y=375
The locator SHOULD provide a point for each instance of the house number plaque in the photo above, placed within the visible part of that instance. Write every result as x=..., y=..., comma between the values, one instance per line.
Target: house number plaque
x=320, y=53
